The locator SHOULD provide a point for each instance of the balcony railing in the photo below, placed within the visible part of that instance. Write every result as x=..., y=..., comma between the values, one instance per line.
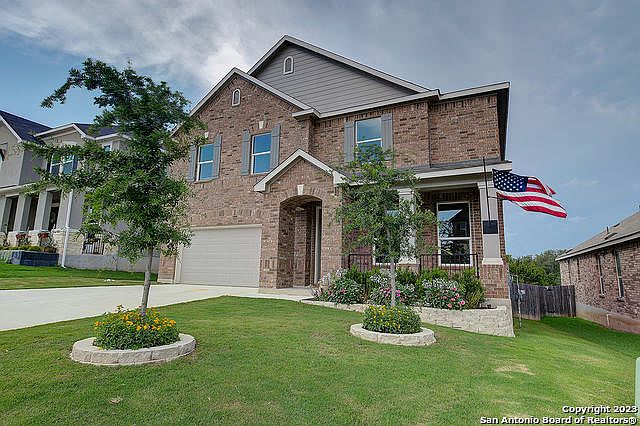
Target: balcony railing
x=451, y=263
x=93, y=244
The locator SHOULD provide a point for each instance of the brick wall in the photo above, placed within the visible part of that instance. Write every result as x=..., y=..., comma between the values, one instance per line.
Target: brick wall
x=582, y=271
x=422, y=132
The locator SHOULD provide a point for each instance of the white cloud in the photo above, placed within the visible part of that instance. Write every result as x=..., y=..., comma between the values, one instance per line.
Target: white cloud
x=196, y=42
x=583, y=183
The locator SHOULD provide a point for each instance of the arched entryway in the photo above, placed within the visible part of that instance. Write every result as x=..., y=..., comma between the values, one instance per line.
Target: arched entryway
x=299, y=241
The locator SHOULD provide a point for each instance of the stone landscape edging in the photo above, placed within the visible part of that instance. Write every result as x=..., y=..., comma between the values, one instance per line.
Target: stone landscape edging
x=495, y=321
x=422, y=338
x=85, y=352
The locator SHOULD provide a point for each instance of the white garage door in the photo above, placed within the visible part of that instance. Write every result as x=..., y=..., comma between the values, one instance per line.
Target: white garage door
x=222, y=256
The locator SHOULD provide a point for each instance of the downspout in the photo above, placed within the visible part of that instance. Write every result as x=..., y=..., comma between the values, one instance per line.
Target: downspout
x=66, y=230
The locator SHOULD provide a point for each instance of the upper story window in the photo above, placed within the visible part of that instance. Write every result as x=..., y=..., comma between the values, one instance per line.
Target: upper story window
x=107, y=147
x=287, y=66
x=616, y=254
x=368, y=134
x=63, y=165
x=235, y=98
x=454, y=233
x=261, y=153
x=205, y=162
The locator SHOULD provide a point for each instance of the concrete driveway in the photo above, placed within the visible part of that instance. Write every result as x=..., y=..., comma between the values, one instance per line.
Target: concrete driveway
x=26, y=308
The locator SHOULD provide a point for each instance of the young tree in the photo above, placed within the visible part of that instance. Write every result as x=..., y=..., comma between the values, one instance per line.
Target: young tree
x=130, y=197
x=373, y=215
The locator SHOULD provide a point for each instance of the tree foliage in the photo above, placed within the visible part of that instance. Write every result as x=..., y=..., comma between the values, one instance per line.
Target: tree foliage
x=372, y=215
x=130, y=197
x=541, y=269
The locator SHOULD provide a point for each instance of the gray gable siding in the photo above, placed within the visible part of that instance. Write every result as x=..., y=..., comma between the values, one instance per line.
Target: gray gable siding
x=325, y=84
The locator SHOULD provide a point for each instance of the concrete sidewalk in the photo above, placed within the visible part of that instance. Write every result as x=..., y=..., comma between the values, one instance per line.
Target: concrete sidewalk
x=26, y=308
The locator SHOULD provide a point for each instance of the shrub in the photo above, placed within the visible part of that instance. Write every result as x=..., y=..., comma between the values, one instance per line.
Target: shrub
x=397, y=319
x=29, y=248
x=363, y=278
x=443, y=294
x=345, y=290
x=127, y=329
x=470, y=287
x=381, y=292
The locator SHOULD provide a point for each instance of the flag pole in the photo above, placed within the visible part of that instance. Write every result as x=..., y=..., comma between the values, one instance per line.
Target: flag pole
x=486, y=187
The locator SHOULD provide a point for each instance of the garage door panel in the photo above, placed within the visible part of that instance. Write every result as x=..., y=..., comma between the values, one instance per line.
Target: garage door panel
x=222, y=256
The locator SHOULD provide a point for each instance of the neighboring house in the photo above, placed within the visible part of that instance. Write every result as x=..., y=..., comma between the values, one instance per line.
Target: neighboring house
x=606, y=273
x=265, y=185
x=60, y=214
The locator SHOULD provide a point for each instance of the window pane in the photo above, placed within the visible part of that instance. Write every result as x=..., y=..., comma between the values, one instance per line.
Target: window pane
x=261, y=163
x=453, y=220
x=206, y=171
x=67, y=166
x=55, y=169
x=368, y=129
x=206, y=153
x=107, y=148
x=371, y=145
x=262, y=143
x=455, y=252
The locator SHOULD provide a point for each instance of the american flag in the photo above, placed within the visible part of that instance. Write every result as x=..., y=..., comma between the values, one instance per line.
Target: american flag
x=527, y=192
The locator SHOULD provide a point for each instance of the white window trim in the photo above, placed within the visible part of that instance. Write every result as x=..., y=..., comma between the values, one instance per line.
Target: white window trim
x=199, y=163
x=355, y=125
x=253, y=155
x=233, y=97
x=469, y=238
x=617, y=260
x=284, y=65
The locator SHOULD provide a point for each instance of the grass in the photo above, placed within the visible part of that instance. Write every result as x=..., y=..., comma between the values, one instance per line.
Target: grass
x=19, y=277
x=261, y=361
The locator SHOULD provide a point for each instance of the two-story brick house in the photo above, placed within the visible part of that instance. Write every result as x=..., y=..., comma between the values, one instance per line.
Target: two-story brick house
x=265, y=186
x=51, y=210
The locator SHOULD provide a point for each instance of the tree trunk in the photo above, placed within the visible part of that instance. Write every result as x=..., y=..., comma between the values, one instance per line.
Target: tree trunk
x=392, y=266
x=147, y=283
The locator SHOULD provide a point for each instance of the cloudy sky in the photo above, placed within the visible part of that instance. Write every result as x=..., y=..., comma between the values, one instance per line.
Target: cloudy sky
x=574, y=114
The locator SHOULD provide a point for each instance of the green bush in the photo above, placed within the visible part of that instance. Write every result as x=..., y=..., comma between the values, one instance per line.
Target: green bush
x=443, y=294
x=344, y=290
x=29, y=248
x=397, y=319
x=127, y=329
x=470, y=287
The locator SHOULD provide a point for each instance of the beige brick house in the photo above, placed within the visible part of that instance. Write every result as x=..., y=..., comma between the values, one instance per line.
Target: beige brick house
x=605, y=271
x=265, y=185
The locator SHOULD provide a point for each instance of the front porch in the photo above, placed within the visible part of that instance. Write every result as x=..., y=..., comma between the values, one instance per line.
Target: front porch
x=468, y=235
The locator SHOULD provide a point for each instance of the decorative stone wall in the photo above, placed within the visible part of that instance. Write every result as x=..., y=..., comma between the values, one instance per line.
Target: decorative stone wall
x=497, y=321
x=85, y=352
x=423, y=338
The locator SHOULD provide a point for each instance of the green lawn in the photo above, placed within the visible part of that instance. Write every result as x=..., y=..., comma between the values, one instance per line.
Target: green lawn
x=261, y=361
x=17, y=276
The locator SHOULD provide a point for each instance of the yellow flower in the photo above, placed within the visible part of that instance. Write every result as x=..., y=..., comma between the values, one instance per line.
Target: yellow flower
x=138, y=328
x=145, y=326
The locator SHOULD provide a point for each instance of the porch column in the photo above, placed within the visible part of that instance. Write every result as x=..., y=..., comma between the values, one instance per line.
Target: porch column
x=22, y=213
x=43, y=211
x=5, y=211
x=489, y=216
x=407, y=194
x=75, y=219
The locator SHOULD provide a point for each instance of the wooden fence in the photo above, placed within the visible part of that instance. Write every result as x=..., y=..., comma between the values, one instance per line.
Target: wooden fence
x=537, y=301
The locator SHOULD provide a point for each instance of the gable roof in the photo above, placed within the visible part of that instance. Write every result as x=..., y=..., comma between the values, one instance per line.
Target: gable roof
x=235, y=71
x=83, y=129
x=628, y=229
x=22, y=128
x=287, y=39
x=263, y=183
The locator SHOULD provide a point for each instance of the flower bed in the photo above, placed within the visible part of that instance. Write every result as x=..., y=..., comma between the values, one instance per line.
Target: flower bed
x=496, y=321
x=84, y=351
x=422, y=338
